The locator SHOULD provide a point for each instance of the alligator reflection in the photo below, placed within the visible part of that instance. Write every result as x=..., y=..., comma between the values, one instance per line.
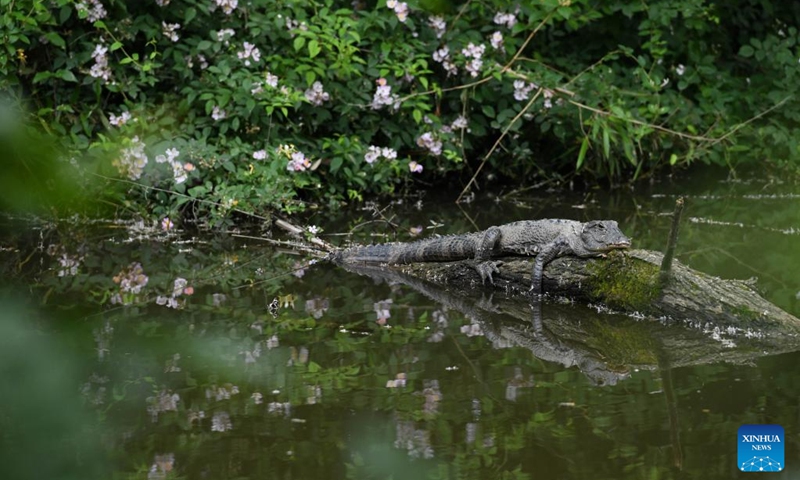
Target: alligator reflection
x=603, y=346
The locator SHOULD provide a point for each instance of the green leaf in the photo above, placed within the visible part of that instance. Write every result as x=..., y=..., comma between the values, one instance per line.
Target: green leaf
x=606, y=143
x=673, y=159
x=417, y=114
x=313, y=48
x=310, y=77
x=41, y=77
x=582, y=153
x=746, y=51
x=313, y=367
x=115, y=46
x=336, y=163
x=627, y=146
x=298, y=43
x=67, y=76
x=204, y=45
x=191, y=12
x=55, y=39
x=488, y=110
x=64, y=14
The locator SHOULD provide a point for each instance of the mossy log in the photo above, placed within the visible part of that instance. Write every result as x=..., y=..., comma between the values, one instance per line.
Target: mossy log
x=626, y=282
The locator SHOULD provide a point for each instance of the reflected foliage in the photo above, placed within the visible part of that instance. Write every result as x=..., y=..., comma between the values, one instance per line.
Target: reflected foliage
x=166, y=349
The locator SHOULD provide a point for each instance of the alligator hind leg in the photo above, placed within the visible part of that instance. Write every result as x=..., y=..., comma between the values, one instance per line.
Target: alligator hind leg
x=483, y=254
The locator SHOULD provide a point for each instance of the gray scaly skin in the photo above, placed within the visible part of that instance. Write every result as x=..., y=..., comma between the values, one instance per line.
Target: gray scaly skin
x=544, y=239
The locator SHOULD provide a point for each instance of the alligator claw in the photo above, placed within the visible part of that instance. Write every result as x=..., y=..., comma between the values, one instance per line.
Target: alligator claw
x=486, y=270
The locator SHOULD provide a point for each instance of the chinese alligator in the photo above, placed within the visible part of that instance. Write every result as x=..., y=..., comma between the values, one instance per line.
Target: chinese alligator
x=544, y=239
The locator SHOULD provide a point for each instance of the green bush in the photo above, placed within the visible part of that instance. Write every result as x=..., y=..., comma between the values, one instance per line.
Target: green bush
x=222, y=105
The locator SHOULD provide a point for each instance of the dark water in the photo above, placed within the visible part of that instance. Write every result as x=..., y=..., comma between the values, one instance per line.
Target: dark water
x=100, y=377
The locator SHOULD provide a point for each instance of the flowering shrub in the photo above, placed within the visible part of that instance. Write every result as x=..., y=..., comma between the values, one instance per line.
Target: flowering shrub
x=262, y=104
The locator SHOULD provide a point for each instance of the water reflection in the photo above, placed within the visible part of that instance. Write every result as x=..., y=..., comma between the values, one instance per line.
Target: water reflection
x=333, y=374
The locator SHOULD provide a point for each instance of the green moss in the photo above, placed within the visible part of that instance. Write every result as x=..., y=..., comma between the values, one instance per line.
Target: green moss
x=746, y=314
x=624, y=283
x=629, y=344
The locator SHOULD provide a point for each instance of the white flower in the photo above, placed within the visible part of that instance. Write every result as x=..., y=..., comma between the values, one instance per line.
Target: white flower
x=383, y=95
x=459, y=123
x=271, y=80
x=434, y=146
x=474, y=66
x=120, y=120
x=298, y=163
x=178, y=286
x=400, y=9
x=100, y=68
x=225, y=35
x=172, y=154
x=522, y=89
x=388, y=153
x=162, y=3
x=496, y=40
x=438, y=25
x=316, y=95
x=507, y=19
x=94, y=11
x=170, y=30
x=132, y=160
x=221, y=421
x=260, y=154
x=474, y=51
x=218, y=114
x=414, y=167
x=250, y=52
x=228, y=6
x=680, y=70
x=374, y=153
x=548, y=95
x=441, y=55
x=178, y=172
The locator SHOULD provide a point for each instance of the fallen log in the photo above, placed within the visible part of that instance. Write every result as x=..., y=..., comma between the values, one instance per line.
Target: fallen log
x=626, y=282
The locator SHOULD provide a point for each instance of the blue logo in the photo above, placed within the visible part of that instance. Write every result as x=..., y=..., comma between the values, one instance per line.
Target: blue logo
x=761, y=448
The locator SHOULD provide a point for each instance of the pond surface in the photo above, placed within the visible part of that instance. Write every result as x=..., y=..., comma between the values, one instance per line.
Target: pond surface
x=129, y=353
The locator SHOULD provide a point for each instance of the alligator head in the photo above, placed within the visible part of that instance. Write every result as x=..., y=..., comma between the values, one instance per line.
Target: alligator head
x=600, y=236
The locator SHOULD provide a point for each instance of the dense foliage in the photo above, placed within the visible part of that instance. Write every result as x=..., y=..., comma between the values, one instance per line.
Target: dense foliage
x=261, y=104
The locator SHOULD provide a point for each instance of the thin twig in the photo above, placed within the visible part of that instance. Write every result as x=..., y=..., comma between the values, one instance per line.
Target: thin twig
x=295, y=230
x=737, y=127
x=199, y=200
x=641, y=123
x=496, y=143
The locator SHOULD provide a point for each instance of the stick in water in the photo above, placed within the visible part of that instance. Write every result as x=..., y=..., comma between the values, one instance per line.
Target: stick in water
x=666, y=263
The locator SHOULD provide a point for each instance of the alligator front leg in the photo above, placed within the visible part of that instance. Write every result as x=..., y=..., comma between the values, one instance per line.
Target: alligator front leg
x=483, y=254
x=557, y=248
